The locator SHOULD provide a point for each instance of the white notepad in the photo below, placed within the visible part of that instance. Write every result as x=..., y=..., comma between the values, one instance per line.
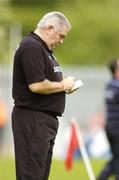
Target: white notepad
x=77, y=85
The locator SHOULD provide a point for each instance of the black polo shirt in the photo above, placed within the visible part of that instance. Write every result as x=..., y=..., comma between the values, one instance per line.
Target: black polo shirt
x=34, y=62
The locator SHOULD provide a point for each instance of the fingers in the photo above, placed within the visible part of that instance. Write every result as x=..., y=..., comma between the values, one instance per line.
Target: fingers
x=68, y=83
x=77, y=85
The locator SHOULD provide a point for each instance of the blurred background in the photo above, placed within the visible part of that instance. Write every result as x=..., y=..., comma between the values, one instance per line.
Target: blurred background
x=92, y=42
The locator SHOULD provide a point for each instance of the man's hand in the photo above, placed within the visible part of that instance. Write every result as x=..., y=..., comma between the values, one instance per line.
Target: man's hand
x=68, y=83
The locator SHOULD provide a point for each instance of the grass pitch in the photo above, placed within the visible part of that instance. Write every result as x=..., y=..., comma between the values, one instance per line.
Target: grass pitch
x=58, y=170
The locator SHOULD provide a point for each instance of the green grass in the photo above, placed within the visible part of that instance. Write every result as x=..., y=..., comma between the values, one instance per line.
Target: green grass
x=58, y=170
x=7, y=169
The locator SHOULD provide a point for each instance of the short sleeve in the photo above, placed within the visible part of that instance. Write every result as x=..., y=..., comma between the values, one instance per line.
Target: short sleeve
x=33, y=62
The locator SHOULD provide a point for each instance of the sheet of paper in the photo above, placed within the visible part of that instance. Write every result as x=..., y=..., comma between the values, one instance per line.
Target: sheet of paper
x=77, y=85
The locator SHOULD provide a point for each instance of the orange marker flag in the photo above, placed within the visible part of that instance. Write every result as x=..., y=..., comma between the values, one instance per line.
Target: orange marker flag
x=76, y=141
x=72, y=147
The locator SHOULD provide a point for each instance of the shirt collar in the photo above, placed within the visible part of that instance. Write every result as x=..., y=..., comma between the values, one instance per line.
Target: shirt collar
x=38, y=38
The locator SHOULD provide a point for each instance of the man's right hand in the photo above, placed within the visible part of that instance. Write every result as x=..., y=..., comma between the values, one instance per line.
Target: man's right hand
x=68, y=83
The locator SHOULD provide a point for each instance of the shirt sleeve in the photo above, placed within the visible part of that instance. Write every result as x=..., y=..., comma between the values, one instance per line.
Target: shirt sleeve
x=33, y=62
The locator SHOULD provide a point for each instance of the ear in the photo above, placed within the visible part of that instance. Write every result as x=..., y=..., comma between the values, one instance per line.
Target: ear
x=50, y=29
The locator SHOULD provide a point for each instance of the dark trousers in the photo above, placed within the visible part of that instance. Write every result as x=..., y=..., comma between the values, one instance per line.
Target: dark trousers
x=112, y=167
x=34, y=134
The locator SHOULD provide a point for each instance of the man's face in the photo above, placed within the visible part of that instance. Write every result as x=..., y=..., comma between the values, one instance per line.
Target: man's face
x=56, y=38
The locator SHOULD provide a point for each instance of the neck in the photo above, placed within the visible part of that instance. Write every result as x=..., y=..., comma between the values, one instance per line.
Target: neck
x=42, y=35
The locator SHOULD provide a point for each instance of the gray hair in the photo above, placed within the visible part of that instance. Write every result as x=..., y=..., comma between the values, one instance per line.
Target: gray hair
x=56, y=19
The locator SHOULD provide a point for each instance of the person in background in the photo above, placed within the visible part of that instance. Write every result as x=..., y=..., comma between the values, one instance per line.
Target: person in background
x=39, y=96
x=112, y=121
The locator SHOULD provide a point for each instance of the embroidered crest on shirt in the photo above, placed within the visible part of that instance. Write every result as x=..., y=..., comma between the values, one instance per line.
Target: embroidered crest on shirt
x=57, y=69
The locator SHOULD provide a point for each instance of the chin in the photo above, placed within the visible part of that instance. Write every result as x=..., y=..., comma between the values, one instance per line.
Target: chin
x=54, y=46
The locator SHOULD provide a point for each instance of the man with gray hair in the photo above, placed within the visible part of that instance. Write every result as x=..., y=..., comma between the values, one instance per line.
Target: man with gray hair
x=39, y=96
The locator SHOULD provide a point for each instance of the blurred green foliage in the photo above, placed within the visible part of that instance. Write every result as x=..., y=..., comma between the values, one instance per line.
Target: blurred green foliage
x=94, y=37
x=32, y=2
x=47, y=3
x=5, y=20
